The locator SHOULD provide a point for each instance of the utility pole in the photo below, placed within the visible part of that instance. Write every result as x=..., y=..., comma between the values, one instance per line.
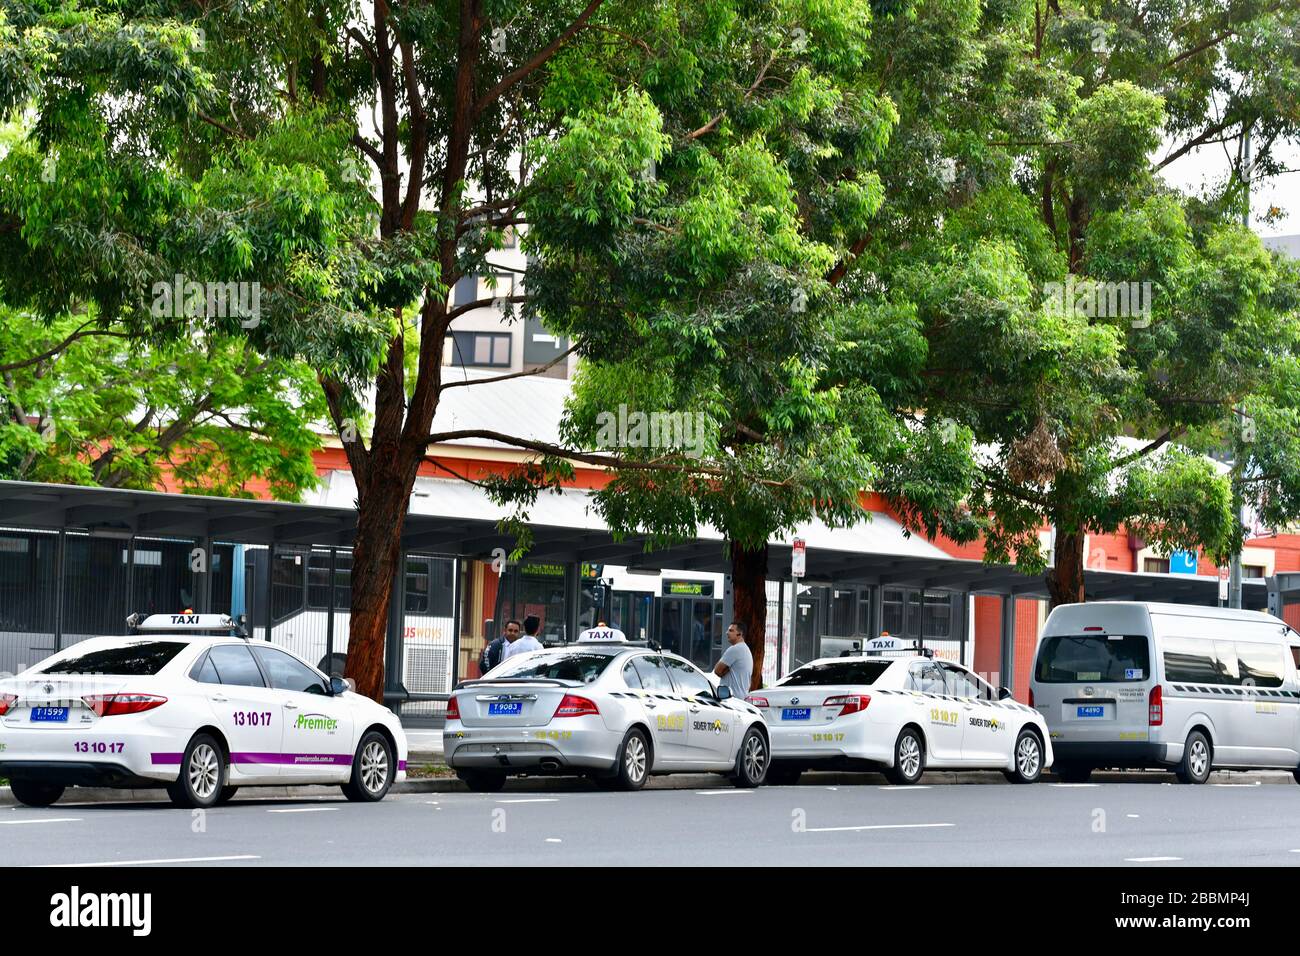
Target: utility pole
x=1238, y=499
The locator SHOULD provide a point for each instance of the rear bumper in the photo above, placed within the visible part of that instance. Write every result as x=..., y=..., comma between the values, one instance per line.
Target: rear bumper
x=74, y=774
x=531, y=751
x=1116, y=754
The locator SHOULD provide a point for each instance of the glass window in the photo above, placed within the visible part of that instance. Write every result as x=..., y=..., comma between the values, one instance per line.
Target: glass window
x=289, y=673
x=417, y=585
x=1295, y=656
x=318, y=580
x=1155, y=565
x=137, y=659
x=914, y=614
x=936, y=618
x=860, y=672
x=1262, y=665
x=892, y=606
x=287, y=585
x=1093, y=657
x=204, y=672
x=653, y=674
x=927, y=678
x=489, y=349
x=235, y=665
x=631, y=677
x=1226, y=657
x=843, y=607
x=864, y=614
x=687, y=680
x=960, y=683
x=584, y=666
x=1191, y=661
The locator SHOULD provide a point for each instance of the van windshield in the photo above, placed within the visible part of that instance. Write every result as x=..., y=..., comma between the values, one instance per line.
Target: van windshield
x=1103, y=658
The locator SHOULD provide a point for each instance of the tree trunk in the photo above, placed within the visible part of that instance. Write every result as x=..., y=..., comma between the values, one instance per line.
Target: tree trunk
x=1065, y=580
x=749, y=601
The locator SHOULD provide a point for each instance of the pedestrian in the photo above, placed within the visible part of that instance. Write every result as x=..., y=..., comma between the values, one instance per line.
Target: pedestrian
x=495, y=652
x=736, y=666
x=522, y=644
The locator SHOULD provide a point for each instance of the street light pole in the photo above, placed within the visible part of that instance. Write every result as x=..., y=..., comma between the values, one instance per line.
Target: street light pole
x=1238, y=499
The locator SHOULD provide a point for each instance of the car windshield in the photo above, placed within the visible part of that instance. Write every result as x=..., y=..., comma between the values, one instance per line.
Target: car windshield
x=1093, y=657
x=837, y=672
x=137, y=659
x=583, y=666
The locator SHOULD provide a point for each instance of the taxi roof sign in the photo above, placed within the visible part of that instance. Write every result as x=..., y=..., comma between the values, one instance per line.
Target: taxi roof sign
x=187, y=621
x=602, y=635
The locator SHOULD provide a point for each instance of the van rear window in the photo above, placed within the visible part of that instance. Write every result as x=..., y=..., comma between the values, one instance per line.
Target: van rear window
x=1100, y=658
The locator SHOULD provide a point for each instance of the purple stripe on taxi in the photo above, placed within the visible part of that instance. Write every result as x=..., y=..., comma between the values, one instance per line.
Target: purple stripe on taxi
x=298, y=760
x=401, y=765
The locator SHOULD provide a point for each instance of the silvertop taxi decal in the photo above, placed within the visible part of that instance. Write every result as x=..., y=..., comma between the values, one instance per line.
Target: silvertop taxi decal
x=716, y=726
x=994, y=725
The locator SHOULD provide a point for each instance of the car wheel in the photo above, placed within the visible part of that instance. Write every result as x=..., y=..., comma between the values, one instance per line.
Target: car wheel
x=32, y=793
x=203, y=774
x=1029, y=758
x=633, y=761
x=751, y=762
x=782, y=775
x=1072, y=772
x=483, y=781
x=909, y=758
x=372, y=769
x=227, y=794
x=1198, y=759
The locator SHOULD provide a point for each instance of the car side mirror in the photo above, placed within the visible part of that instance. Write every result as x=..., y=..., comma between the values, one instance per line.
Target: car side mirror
x=723, y=692
x=338, y=686
x=1004, y=693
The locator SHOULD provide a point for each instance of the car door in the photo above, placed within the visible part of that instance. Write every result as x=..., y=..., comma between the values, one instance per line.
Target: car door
x=665, y=711
x=318, y=736
x=938, y=713
x=984, y=727
x=711, y=728
x=247, y=711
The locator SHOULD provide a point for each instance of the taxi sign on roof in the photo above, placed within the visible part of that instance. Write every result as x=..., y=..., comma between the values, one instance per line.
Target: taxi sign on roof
x=185, y=622
x=603, y=634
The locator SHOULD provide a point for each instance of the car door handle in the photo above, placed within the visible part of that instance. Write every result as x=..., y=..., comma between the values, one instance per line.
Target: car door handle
x=651, y=704
x=694, y=709
x=290, y=706
x=219, y=700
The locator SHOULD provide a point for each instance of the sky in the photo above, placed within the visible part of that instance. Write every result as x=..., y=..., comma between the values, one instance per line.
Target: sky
x=1209, y=163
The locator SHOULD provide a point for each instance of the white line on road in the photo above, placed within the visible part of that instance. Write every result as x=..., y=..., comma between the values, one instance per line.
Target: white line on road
x=881, y=826
x=1255, y=784
x=179, y=859
x=718, y=793
x=532, y=800
x=1152, y=859
x=552, y=840
x=1074, y=785
x=304, y=810
x=1133, y=816
x=924, y=786
x=16, y=823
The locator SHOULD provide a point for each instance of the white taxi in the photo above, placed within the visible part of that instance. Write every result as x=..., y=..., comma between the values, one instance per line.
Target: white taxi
x=187, y=704
x=902, y=715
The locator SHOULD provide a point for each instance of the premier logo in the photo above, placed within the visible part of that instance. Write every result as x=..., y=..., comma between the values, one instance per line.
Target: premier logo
x=75, y=909
x=315, y=722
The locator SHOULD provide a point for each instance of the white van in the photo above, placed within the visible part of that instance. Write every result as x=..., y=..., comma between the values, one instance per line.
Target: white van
x=1126, y=684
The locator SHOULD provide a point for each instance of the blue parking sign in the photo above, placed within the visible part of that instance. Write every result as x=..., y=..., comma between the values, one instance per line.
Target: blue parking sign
x=1182, y=562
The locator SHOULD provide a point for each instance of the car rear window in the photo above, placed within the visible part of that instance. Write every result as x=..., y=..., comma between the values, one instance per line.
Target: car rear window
x=837, y=672
x=137, y=659
x=1100, y=658
x=584, y=666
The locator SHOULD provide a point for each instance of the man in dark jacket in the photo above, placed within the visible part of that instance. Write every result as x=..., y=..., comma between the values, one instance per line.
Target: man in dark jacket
x=492, y=654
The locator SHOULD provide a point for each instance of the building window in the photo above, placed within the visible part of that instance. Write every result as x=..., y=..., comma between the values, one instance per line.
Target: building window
x=496, y=287
x=1155, y=565
x=1252, y=571
x=485, y=349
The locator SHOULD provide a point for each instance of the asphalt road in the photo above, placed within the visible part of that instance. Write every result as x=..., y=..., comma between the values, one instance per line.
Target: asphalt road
x=1107, y=824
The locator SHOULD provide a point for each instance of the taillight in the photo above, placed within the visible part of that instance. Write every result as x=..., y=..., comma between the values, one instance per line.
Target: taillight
x=1156, y=707
x=115, y=705
x=756, y=701
x=6, y=701
x=848, y=703
x=575, y=706
x=1031, y=697
x=453, y=709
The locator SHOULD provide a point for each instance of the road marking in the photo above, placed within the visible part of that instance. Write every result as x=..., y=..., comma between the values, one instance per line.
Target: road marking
x=17, y=823
x=924, y=786
x=1293, y=851
x=533, y=800
x=180, y=859
x=881, y=826
x=1152, y=859
x=1255, y=784
x=1133, y=816
x=1074, y=785
x=553, y=840
x=720, y=793
x=304, y=810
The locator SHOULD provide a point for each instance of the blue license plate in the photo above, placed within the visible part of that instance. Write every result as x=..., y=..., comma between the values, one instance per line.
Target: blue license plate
x=53, y=715
x=796, y=713
x=505, y=709
x=1095, y=710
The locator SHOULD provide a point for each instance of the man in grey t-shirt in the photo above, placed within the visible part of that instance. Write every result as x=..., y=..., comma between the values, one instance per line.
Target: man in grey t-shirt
x=736, y=666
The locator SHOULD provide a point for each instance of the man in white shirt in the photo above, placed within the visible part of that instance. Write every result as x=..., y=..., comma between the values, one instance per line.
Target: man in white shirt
x=521, y=644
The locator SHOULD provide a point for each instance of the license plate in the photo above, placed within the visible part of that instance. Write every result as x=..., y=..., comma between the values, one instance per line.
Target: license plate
x=796, y=713
x=505, y=709
x=53, y=715
x=1094, y=710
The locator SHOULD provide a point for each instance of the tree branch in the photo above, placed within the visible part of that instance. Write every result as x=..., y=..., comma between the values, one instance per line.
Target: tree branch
x=501, y=378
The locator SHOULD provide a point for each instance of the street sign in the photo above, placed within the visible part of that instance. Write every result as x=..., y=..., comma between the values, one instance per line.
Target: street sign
x=1223, y=583
x=1182, y=562
x=798, y=558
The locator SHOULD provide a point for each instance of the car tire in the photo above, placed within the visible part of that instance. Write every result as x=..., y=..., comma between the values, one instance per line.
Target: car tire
x=1198, y=759
x=779, y=775
x=1296, y=774
x=1072, y=772
x=203, y=774
x=1028, y=757
x=909, y=758
x=752, y=760
x=483, y=781
x=372, y=769
x=33, y=793
x=633, y=762
x=227, y=794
